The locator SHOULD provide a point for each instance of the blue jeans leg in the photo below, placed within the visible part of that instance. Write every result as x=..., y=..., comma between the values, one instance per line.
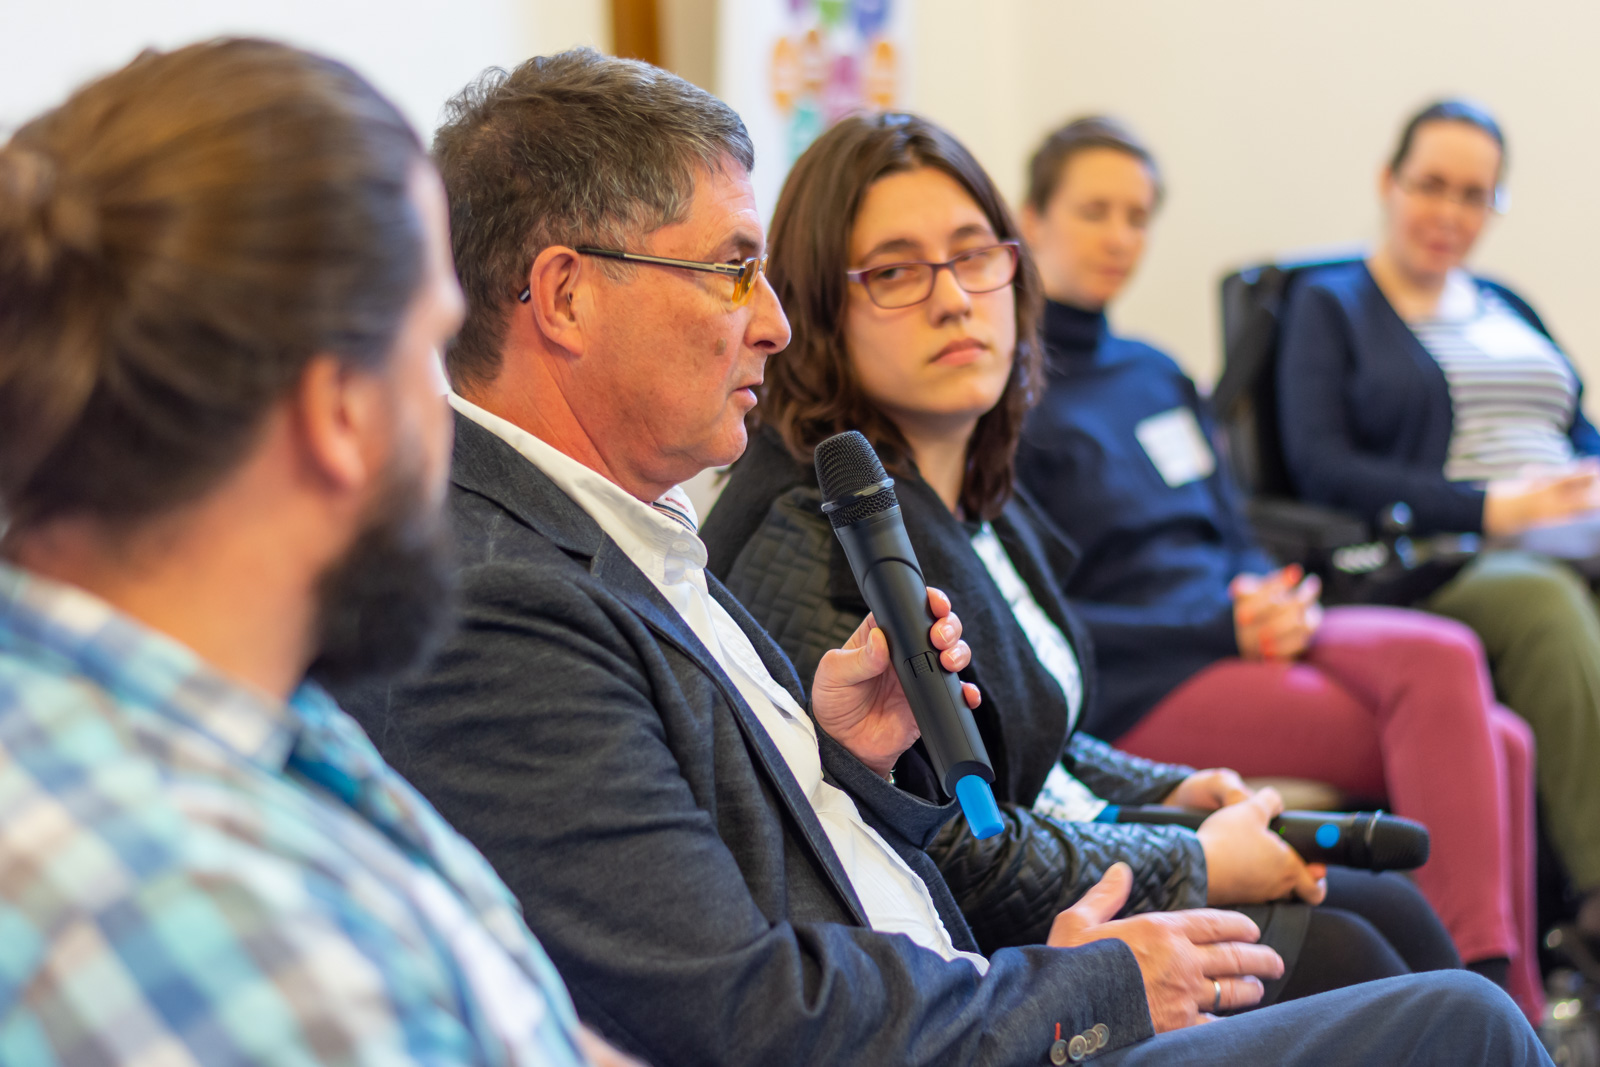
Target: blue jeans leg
x=1442, y=1018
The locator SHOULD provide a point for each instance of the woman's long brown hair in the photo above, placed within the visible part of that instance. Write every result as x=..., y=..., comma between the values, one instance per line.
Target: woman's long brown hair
x=810, y=391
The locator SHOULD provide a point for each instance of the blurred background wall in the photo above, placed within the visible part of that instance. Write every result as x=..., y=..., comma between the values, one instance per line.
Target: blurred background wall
x=417, y=51
x=1270, y=117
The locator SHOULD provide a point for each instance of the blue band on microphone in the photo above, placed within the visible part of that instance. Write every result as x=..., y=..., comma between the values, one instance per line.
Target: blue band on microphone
x=1109, y=813
x=977, y=804
x=1328, y=835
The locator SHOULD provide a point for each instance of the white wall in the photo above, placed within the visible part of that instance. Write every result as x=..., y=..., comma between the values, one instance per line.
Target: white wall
x=419, y=52
x=1271, y=118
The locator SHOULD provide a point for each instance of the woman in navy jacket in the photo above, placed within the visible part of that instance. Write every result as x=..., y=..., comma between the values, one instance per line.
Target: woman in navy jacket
x=1206, y=651
x=1405, y=378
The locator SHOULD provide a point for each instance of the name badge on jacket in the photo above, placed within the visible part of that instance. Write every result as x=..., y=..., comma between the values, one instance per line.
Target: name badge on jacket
x=1176, y=446
x=1504, y=336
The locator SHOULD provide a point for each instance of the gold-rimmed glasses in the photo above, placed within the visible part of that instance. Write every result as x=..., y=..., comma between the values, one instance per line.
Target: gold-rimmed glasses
x=744, y=274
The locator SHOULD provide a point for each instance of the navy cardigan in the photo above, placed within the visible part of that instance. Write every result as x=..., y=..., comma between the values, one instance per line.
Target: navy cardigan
x=1152, y=584
x=1364, y=410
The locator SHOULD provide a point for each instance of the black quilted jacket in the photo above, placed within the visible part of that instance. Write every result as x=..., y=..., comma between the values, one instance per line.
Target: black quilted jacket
x=773, y=548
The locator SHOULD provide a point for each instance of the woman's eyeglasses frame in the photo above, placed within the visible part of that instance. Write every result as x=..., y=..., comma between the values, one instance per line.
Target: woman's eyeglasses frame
x=862, y=275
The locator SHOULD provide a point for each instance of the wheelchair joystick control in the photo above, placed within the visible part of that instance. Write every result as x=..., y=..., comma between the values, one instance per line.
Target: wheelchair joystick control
x=1394, y=528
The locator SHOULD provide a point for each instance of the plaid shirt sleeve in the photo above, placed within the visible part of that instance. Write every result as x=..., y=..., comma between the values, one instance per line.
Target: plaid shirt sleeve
x=174, y=890
x=246, y=960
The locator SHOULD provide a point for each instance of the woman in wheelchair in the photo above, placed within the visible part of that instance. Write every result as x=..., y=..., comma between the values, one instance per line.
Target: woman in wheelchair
x=914, y=313
x=1207, y=652
x=1407, y=378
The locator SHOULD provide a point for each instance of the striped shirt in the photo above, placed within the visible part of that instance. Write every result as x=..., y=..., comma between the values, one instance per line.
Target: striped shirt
x=1512, y=394
x=194, y=873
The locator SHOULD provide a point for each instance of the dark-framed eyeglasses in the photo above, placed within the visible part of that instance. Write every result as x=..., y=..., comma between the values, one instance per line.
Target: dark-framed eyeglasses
x=744, y=274
x=900, y=285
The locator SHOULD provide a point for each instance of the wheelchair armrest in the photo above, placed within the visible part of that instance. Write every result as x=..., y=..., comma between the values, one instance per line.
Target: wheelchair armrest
x=1298, y=532
x=1356, y=566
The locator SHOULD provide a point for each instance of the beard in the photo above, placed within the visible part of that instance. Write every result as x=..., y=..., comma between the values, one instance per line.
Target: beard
x=387, y=604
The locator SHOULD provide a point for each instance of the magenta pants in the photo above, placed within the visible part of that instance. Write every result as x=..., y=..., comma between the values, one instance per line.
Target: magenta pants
x=1392, y=704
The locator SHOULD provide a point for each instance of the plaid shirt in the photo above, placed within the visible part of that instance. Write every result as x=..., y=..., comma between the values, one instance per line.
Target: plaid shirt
x=192, y=873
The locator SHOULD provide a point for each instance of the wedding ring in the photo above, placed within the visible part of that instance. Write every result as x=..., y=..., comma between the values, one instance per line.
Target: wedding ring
x=1216, y=999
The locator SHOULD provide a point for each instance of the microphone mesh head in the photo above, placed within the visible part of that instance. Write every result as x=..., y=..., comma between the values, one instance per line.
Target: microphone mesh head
x=847, y=464
x=1398, y=844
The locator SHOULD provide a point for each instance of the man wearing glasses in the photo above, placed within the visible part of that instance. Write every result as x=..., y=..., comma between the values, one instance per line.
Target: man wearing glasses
x=719, y=876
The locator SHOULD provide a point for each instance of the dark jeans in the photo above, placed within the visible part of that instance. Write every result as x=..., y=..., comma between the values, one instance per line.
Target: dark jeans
x=1371, y=926
x=1447, y=1018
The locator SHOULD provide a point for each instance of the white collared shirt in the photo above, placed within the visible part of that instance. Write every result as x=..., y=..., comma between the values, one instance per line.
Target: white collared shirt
x=662, y=541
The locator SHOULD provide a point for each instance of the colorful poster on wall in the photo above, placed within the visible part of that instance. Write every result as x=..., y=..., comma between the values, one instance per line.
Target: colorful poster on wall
x=793, y=67
x=833, y=59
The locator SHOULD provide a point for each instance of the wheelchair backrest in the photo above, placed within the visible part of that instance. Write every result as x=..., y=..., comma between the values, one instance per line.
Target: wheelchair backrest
x=1246, y=395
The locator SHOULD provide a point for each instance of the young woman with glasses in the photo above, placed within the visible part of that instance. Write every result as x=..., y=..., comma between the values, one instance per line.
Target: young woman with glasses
x=1407, y=378
x=914, y=312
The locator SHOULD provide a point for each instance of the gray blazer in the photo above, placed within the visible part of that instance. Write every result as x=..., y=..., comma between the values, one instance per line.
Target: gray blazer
x=578, y=732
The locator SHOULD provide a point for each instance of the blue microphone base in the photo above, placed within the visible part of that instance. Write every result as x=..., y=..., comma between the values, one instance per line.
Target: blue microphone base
x=977, y=804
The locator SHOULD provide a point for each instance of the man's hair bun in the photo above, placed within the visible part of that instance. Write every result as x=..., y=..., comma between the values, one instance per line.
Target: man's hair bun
x=41, y=219
x=178, y=240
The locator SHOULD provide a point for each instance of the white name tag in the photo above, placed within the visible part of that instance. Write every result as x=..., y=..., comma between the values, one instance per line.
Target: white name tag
x=1176, y=446
x=1502, y=337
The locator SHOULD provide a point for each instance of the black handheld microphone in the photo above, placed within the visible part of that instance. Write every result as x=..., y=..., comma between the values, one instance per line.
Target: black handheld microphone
x=858, y=498
x=1370, y=840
